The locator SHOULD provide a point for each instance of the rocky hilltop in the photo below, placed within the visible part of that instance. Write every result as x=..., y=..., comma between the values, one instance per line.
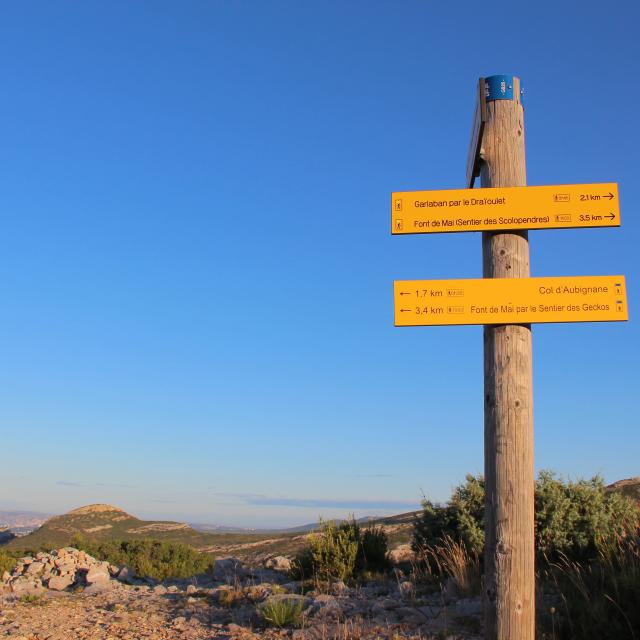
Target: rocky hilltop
x=102, y=522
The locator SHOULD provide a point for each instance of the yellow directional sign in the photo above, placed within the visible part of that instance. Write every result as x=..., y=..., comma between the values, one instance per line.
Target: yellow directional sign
x=510, y=300
x=504, y=208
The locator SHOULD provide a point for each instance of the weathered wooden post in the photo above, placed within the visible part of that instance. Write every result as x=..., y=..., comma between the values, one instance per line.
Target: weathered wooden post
x=509, y=584
x=506, y=300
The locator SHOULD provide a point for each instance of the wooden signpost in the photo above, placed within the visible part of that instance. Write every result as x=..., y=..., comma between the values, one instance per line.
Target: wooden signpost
x=506, y=301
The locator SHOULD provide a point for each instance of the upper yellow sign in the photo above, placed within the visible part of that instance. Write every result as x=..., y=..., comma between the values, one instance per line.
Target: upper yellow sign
x=510, y=300
x=505, y=208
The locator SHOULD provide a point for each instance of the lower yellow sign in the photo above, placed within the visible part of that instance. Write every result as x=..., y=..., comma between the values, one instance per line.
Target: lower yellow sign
x=510, y=300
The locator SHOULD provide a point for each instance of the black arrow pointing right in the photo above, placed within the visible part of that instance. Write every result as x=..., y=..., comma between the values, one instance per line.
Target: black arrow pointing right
x=610, y=216
x=610, y=196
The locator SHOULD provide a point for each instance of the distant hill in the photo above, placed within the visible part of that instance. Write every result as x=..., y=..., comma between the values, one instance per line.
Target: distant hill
x=629, y=487
x=221, y=528
x=21, y=522
x=100, y=522
x=400, y=519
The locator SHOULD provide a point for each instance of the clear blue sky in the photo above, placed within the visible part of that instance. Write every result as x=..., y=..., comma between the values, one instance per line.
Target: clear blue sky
x=195, y=260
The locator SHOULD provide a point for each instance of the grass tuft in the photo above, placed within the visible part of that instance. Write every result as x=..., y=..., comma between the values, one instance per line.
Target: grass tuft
x=599, y=597
x=452, y=558
x=285, y=612
x=32, y=598
x=230, y=597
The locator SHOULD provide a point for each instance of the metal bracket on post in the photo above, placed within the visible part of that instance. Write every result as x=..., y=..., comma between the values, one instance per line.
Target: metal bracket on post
x=490, y=88
x=477, y=129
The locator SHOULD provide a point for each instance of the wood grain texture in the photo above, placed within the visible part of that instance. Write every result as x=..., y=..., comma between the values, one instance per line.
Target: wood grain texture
x=509, y=583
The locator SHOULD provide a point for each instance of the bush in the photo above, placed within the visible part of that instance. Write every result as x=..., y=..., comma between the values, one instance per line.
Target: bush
x=461, y=519
x=573, y=519
x=331, y=554
x=7, y=560
x=285, y=612
x=578, y=520
x=339, y=552
x=373, y=550
x=150, y=558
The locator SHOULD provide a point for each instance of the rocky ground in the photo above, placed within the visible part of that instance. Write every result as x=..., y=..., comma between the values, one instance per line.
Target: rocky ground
x=68, y=595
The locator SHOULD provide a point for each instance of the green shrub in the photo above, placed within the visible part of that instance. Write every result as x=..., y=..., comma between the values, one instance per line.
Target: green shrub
x=302, y=566
x=7, y=560
x=32, y=598
x=150, y=558
x=574, y=519
x=373, y=550
x=284, y=612
x=579, y=519
x=461, y=519
x=339, y=552
x=331, y=554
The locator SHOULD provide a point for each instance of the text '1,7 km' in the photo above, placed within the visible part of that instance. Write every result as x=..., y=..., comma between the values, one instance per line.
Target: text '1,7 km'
x=503, y=208
x=510, y=300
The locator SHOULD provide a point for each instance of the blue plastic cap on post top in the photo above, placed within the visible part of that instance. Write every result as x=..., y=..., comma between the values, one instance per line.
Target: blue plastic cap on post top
x=499, y=88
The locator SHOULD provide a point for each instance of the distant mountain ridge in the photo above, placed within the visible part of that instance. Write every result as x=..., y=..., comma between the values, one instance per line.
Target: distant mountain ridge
x=401, y=518
x=221, y=528
x=21, y=522
x=104, y=522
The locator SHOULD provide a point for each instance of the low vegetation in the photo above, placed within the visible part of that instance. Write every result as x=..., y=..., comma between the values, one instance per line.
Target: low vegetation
x=32, y=598
x=574, y=520
x=342, y=552
x=588, y=546
x=149, y=558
